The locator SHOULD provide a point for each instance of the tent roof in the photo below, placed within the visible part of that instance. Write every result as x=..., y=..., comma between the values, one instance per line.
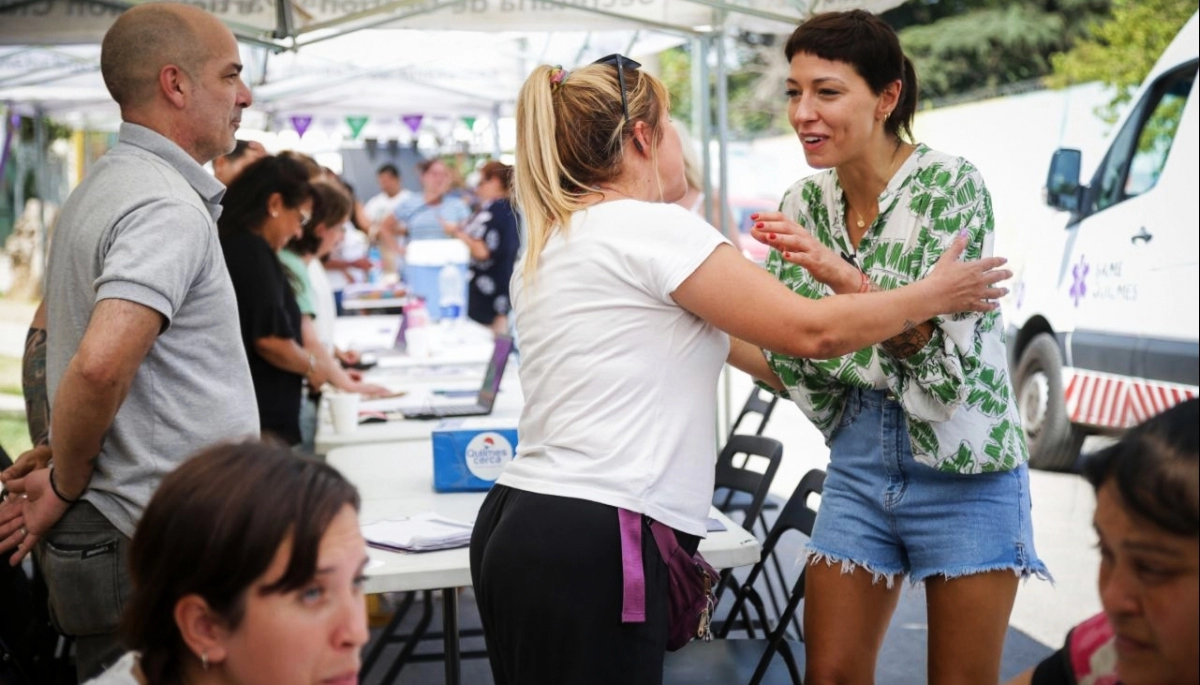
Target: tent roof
x=373, y=57
x=286, y=24
x=380, y=73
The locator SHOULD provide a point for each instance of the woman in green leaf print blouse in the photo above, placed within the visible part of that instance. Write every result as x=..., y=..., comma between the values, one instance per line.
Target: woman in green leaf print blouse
x=927, y=474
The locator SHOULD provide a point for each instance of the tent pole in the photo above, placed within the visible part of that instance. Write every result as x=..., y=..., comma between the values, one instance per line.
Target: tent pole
x=39, y=133
x=723, y=188
x=496, y=131
x=722, y=129
x=704, y=118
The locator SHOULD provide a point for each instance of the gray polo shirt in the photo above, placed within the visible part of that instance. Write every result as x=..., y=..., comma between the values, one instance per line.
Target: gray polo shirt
x=142, y=227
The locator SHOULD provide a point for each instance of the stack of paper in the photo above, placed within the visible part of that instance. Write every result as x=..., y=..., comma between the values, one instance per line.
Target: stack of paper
x=419, y=533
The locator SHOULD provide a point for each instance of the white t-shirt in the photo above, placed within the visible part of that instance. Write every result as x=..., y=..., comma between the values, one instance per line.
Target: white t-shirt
x=324, y=306
x=120, y=673
x=382, y=204
x=620, y=382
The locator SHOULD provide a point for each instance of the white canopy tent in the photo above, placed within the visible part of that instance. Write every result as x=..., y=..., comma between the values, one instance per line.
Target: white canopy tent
x=329, y=57
x=388, y=58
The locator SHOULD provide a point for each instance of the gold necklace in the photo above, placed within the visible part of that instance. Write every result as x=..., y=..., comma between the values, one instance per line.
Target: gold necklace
x=891, y=170
x=860, y=221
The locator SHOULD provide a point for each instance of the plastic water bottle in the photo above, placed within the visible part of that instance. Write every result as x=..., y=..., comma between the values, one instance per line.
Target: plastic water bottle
x=416, y=328
x=450, y=293
x=375, y=275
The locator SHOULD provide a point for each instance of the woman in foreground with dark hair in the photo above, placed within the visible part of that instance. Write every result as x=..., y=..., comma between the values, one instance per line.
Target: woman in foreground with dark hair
x=247, y=568
x=1148, y=521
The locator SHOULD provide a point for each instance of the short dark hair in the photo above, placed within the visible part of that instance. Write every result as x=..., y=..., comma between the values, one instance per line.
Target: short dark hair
x=331, y=205
x=1156, y=468
x=244, y=206
x=388, y=169
x=212, y=528
x=867, y=43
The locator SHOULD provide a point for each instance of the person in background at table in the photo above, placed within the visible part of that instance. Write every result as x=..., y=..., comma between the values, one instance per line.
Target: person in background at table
x=349, y=261
x=1148, y=521
x=939, y=394
x=330, y=209
x=424, y=216
x=625, y=306
x=391, y=193
x=694, y=199
x=248, y=570
x=268, y=205
x=142, y=360
x=245, y=152
x=493, y=238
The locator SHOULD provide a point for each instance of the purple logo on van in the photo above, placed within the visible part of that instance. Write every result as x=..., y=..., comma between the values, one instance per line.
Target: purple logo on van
x=1079, y=285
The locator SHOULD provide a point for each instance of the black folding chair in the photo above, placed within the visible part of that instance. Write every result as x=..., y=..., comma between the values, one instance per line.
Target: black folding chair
x=756, y=404
x=736, y=480
x=739, y=488
x=727, y=661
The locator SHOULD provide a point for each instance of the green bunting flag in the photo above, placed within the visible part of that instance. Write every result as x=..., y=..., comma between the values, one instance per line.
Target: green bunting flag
x=356, y=125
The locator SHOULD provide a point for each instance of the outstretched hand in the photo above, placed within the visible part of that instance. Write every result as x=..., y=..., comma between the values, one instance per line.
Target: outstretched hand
x=967, y=286
x=797, y=246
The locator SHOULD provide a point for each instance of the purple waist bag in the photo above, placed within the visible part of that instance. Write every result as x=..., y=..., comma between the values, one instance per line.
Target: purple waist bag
x=691, y=582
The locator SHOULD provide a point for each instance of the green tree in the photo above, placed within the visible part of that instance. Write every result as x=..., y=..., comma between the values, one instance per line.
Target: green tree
x=1121, y=49
x=755, y=85
x=960, y=46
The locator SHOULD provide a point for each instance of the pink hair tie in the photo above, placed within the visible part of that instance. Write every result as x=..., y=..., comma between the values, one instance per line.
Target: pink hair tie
x=557, y=76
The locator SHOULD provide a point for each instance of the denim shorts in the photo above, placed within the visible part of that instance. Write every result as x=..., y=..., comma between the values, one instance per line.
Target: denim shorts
x=883, y=511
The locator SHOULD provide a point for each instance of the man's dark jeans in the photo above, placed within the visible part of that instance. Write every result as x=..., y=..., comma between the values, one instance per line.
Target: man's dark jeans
x=85, y=561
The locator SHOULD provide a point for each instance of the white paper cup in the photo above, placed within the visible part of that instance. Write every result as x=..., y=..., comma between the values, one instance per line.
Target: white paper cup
x=343, y=408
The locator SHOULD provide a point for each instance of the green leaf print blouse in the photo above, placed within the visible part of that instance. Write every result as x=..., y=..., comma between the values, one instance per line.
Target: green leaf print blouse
x=955, y=391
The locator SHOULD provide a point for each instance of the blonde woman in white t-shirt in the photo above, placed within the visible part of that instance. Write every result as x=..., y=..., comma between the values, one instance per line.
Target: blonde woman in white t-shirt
x=627, y=307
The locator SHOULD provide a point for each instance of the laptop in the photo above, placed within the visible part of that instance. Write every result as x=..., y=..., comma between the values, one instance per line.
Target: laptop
x=482, y=406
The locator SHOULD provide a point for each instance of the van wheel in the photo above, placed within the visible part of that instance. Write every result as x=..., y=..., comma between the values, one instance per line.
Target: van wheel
x=1054, y=443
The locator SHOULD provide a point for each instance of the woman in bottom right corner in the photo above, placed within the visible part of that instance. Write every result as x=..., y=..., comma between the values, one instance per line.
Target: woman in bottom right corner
x=1148, y=523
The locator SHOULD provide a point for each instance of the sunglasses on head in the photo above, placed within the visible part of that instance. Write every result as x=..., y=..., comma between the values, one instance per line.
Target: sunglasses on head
x=620, y=62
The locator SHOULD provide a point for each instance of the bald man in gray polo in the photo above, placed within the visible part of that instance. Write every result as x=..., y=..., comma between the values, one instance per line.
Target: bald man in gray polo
x=145, y=363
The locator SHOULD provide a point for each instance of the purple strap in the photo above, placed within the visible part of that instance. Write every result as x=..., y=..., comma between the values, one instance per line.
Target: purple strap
x=633, y=600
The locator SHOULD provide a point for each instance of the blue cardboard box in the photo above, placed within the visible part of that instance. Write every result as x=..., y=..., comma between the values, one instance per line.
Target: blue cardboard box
x=470, y=454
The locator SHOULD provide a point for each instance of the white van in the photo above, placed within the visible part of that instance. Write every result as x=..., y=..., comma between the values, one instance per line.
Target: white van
x=1103, y=315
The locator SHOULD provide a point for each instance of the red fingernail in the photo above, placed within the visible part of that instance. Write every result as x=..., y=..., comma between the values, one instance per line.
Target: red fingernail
x=787, y=254
x=758, y=225
x=770, y=236
x=754, y=215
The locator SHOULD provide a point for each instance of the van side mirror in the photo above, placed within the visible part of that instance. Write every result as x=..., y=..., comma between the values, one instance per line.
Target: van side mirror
x=1063, y=190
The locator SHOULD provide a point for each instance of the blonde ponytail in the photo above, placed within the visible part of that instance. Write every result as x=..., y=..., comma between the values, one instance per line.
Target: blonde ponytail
x=545, y=204
x=570, y=138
